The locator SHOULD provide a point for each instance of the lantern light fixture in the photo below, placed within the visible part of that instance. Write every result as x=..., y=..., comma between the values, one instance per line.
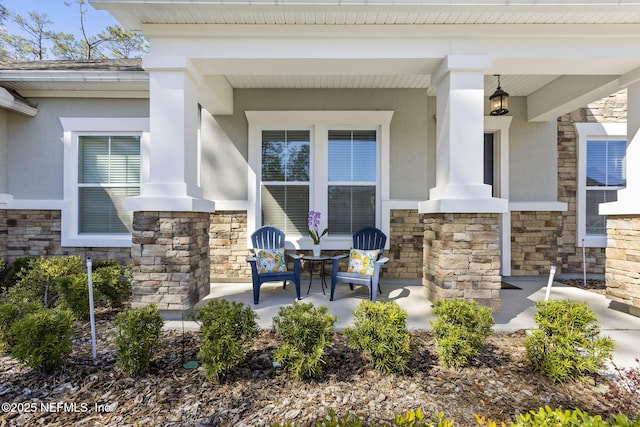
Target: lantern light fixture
x=498, y=102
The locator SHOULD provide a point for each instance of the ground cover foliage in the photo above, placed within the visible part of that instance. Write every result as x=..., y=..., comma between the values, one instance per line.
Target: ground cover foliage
x=497, y=384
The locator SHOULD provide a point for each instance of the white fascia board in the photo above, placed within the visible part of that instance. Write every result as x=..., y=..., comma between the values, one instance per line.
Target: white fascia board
x=9, y=101
x=568, y=93
x=73, y=76
x=119, y=94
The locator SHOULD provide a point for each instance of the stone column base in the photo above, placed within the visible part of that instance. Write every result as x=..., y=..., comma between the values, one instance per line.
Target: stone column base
x=462, y=257
x=171, y=263
x=622, y=268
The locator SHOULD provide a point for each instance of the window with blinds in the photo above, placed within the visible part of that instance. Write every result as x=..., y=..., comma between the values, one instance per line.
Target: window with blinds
x=108, y=172
x=352, y=160
x=605, y=174
x=285, y=180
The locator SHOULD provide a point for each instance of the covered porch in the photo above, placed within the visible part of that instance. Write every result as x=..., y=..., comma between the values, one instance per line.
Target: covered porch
x=518, y=298
x=221, y=73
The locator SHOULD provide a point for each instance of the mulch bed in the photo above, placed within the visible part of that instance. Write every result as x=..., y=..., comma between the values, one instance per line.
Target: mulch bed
x=498, y=384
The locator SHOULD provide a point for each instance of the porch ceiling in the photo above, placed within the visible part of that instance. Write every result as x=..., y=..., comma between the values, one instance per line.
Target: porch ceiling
x=559, y=54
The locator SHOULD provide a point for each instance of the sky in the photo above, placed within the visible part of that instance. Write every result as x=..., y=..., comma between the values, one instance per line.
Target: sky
x=65, y=18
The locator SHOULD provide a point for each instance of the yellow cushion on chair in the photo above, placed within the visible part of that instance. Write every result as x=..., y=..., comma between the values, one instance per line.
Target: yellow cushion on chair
x=270, y=260
x=363, y=262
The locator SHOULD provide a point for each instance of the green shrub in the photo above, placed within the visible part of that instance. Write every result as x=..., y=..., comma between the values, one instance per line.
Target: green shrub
x=460, y=329
x=380, y=332
x=138, y=337
x=74, y=294
x=43, y=338
x=561, y=418
x=9, y=314
x=10, y=273
x=37, y=282
x=112, y=283
x=352, y=419
x=227, y=331
x=306, y=331
x=566, y=343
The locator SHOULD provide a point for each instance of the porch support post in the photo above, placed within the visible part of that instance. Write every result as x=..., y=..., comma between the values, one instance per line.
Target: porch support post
x=462, y=232
x=170, y=240
x=622, y=266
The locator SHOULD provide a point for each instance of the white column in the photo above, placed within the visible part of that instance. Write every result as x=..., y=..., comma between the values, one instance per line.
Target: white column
x=460, y=140
x=171, y=158
x=628, y=202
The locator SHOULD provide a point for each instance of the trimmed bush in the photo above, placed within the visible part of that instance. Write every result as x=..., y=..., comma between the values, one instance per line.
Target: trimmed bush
x=37, y=281
x=460, y=329
x=566, y=343
x=380, y=332
x=43, y=339
x=112, y=283
x=565, y=418
x=138, y=333
x=9, y=314
x=74, y=294
x=307, y=332
x=227, y=331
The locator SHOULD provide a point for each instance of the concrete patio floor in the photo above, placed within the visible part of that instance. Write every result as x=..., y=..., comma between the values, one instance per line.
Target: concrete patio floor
x=518, y=306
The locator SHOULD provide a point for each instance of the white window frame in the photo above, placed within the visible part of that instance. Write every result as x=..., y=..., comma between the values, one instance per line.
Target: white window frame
x=73, y=128
x=588, y=132
x=318, y=123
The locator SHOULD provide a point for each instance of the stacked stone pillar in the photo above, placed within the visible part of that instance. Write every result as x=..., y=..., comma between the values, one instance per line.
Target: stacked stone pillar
x=462, y=257
x=170, y=252
x=623, y=261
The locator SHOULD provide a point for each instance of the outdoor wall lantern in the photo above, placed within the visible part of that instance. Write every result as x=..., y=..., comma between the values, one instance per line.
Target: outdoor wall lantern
x=499, y=101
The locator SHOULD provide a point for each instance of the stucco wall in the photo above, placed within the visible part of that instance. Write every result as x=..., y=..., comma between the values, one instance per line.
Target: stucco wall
x=532, y=156
x=35, y=148
x=226, y=137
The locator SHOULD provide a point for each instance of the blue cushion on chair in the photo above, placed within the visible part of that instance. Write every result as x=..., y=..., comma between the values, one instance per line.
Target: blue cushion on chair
x=270, y=260
x=363, y=262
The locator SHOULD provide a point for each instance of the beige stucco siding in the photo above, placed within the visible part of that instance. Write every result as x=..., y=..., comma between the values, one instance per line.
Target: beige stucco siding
x=226, y=137
x=35, y=148
x=533, y=157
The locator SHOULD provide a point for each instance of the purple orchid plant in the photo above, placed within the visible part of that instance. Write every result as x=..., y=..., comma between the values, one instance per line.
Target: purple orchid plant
x=314, y=223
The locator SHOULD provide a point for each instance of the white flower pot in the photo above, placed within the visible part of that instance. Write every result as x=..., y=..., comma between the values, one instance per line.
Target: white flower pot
x=316, y=249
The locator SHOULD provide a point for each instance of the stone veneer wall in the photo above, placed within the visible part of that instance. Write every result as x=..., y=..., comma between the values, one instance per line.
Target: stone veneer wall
x=462, y=257
x=540, y=238
x=228, y=246
x=405, y=246
x=36, y=233
x=171, y=261
x=623, y=261
x=534, y=242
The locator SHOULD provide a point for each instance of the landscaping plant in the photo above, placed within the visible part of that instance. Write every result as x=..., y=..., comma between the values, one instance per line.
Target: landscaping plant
x=460, y=328
x=625, y=389
x=112, y=282
x=380, y=332
x=138, y=337
x=74, y=294
x=11, y=312
x=227, y=333
x=565, y=418
x=42, y=339
x=566, y=344
x=307, y=332
x=37, y=280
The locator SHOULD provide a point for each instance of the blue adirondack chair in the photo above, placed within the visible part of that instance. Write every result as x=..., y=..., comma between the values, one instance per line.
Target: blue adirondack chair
x=272, y=238
x=369, y=238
